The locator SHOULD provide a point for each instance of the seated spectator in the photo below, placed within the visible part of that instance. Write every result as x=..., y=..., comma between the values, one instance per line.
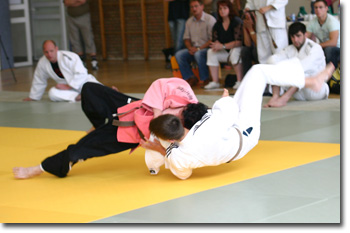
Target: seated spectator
x=326, y=28
x=312, y=59
x=197, y=38
x=65, y=68
x=226, y=44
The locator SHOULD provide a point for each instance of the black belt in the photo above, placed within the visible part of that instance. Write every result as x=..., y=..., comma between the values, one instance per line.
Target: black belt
x=240, y=146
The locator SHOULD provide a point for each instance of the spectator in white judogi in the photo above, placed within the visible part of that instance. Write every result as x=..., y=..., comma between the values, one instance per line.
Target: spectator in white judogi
x=65, y=68
x=313, y=61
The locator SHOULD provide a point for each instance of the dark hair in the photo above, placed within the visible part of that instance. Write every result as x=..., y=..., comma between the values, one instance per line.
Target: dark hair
x=324, y=1
x=167, y=127
x=229, y=4
x=296, y=27
x=193, y=113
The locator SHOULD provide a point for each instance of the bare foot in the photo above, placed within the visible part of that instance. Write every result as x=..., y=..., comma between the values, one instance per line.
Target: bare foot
x=26, y=172
x=276, y=102
x=317, y=81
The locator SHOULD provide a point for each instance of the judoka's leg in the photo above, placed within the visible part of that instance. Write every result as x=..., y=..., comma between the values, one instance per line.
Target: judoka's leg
x=276, y=100
x=100, y=142
x=100, y=102
x=250, y=94
x=58, y=95
x=307, y=94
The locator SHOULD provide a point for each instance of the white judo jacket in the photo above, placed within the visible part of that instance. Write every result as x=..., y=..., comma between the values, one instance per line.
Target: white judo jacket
x=311, y=56
x=275, y=18
x=312, y=59
x=72, y=68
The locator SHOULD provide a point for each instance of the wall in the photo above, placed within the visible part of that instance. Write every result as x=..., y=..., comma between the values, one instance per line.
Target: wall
x=155, y=23
x=133, y=27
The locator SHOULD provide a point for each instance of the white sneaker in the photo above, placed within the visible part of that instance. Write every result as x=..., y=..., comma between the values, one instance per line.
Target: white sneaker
x=212, y=85
x=94, y=65
x=237, y=85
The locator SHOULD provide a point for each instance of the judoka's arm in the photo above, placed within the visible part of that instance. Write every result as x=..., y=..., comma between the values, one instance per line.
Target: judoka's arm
x=315, y=57
x=39, y=83
x=155, y=145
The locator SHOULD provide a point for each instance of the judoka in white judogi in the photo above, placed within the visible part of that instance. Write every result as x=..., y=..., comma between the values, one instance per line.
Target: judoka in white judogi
x=233, y=127
x=276, y=21
x=313, y=61
x=74, y=74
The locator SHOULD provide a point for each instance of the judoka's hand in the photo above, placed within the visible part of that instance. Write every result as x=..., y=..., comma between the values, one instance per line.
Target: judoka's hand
x=265, y=9
x=155, y=145
x=62, y=86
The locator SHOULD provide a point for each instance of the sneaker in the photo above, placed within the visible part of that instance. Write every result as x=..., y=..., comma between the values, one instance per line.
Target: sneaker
x=94, y=64
x=237, y=85
x=202, y=83
x=212, y=85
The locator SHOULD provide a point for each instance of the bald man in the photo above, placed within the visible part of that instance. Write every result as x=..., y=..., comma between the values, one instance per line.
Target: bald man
x=66, y=68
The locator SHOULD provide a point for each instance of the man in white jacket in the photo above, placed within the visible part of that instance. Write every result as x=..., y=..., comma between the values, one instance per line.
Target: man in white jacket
x=232, y=129
x=66, y=68
x=313, y=61
x=271, y=31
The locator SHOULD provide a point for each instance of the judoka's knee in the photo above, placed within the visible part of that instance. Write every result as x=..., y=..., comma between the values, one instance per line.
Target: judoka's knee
x=53, y=94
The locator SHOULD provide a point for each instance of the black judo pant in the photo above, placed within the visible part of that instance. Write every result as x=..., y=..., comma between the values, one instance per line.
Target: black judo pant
x=98, y=103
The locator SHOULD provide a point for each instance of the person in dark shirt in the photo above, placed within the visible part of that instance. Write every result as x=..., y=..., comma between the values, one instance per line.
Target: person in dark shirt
x=226, y=43
x=178, y=13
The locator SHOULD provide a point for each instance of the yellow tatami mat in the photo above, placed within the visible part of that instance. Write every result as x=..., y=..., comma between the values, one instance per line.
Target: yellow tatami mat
x=102, y=187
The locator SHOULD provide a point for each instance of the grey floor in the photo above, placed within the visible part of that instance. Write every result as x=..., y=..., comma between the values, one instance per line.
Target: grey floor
x=304, y=194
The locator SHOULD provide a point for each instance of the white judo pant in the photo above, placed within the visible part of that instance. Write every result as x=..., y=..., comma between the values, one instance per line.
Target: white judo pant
x=62, y=95
x=307, y=94
x=265, y=46
x=249, y=95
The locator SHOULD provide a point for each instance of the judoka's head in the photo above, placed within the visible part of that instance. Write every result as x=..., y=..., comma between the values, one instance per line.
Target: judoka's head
x=193, y=113
x=50, y=50
x=167, y=127
x=297, y=33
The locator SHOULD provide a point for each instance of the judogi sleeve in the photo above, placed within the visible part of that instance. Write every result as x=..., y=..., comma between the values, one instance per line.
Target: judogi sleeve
x=315, y=60
x=39, y=81
x=79, y=75
x=177, y=163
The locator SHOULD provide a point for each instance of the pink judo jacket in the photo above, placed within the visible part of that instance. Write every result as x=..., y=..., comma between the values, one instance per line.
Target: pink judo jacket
x=169, y=95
